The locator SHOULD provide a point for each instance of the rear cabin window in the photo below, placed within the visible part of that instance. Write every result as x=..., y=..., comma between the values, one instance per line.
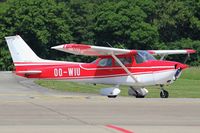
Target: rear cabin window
x=125, y=61
x=105, y=62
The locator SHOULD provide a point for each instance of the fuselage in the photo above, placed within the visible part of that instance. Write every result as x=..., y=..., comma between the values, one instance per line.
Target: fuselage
x=104, y=70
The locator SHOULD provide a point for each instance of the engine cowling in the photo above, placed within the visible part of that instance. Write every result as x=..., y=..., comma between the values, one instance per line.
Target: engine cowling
x=138, y=92
x=111, y=92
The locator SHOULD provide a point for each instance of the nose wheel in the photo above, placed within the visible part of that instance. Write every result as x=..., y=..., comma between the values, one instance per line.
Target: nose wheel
x=163, y=93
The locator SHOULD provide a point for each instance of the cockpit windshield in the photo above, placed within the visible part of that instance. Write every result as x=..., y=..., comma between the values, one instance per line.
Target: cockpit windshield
x=143, y=56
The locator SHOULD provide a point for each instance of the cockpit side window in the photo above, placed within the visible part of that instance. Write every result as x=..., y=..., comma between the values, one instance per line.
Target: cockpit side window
x=105, y=62
x=124, y=60
x=139, y=59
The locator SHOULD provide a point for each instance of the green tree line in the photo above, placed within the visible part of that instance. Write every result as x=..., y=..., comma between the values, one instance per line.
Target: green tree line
x=131, y=24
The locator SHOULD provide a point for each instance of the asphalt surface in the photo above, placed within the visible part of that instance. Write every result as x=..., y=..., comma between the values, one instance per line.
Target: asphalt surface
x=28, y=108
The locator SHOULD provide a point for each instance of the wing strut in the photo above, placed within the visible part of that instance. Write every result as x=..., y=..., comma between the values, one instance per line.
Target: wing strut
x=163, y=56
x=124, y=67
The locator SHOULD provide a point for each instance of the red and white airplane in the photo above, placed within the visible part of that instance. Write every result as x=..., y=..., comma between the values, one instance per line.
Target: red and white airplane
x=134, y=68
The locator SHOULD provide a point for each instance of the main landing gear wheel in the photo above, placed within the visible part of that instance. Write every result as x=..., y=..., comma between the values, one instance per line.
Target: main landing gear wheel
x=138, y=93
x=164, y=94
x=138, y=96
x=112, y=96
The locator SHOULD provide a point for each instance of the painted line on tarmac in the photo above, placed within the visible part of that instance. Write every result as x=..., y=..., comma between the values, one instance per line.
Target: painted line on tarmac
x=122, y=130
x=45, y=96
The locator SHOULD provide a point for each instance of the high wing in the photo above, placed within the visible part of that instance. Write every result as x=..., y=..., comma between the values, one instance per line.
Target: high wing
x=82, y=49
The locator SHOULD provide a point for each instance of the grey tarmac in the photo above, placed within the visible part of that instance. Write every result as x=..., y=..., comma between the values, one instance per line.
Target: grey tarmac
x=28, y=108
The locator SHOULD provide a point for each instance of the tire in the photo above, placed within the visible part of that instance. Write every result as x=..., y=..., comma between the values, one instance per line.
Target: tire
x=133, y=92
x=164, y=94
x=138, y=96
x=112, y=96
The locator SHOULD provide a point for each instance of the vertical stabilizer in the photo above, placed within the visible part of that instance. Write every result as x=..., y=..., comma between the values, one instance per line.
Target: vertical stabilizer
x=20, y=51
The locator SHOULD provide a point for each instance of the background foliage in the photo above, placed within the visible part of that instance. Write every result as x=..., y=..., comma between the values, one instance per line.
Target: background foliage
x=146, y=24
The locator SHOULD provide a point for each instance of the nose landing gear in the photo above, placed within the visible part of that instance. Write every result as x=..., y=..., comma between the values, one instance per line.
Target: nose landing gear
x=163, y=92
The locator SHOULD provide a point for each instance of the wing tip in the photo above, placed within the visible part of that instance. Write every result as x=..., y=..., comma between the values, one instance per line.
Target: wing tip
x=191, y=51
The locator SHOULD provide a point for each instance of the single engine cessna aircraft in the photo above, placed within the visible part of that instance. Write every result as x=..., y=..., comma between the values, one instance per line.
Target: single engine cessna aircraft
x=134, y=68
